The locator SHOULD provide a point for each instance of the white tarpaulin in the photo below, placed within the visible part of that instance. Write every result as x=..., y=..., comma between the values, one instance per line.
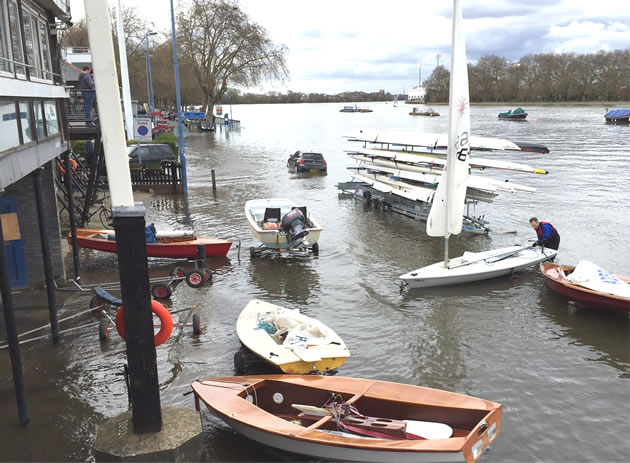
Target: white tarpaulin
x=593, y=277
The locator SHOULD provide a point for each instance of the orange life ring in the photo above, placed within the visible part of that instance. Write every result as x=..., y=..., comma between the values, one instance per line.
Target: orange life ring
x=73, y=163
x=165, y=318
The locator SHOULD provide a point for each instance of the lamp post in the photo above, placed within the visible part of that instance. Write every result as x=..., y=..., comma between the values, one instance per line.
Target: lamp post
x=150, y=78
x=419, y=75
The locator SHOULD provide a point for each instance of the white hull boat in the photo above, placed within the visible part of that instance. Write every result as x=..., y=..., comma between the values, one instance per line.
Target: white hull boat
x=279, y=224
x=288, y=340
x=477, y=266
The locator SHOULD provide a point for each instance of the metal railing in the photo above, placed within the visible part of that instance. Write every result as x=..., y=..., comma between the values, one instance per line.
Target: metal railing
x=55, y=78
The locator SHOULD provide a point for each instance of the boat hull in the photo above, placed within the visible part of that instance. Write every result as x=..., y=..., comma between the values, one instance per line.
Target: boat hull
x=580, y=294
x=174, y=250
x=482, y=266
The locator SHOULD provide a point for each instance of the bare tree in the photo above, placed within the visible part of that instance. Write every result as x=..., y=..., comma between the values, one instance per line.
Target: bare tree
x=223, y=47
x=437, y=85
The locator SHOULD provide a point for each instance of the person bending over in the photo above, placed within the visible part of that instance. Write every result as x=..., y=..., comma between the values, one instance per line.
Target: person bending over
x=547, y=235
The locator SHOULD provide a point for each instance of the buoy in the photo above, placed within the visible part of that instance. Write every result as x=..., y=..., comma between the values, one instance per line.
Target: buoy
x=158, y=309
x=73, y=164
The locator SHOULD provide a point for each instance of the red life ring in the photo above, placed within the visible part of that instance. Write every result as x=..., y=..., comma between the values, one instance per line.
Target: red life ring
x=165, y=318
x=73, y=164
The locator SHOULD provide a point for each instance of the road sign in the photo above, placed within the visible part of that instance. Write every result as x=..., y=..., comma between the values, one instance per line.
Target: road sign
x=142, y=129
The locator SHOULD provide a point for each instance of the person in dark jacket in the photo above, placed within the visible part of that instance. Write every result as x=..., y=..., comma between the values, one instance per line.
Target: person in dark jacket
x=86, y=85
x=547, y=235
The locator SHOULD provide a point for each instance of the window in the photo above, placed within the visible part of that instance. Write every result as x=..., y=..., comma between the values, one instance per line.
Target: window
x=32, y=44
x=39, y=120
x=16, y=39
x=4, y=39
x=52, y=123
x=26, y=120
x=44, y=49
x=9, y=136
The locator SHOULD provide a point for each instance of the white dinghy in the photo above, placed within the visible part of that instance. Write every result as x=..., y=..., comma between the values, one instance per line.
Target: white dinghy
x=446, y=215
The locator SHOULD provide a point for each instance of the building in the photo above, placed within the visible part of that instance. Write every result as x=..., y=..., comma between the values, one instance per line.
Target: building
x=33, y=133
x=416, y=95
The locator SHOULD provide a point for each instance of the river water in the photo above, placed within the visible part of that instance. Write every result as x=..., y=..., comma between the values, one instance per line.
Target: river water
x=563, y=378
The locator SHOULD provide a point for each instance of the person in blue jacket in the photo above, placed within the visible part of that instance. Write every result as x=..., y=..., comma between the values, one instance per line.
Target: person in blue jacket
x=547, y=234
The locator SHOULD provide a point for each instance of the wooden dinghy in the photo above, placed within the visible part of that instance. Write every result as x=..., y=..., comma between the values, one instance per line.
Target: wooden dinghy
x=174, y=245
x=288, y=340
x=612, y=291
x=353, y=419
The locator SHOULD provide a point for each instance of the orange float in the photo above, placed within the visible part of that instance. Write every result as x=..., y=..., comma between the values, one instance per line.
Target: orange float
x=160, y=311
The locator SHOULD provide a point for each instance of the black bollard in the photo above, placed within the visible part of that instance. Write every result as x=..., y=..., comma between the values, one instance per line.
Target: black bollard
x=43, y=235
x=12, y=337
x=144, y=389
x=214, y=183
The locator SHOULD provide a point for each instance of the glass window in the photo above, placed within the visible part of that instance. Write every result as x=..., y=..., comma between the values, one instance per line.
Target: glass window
x=16, y=39
x=26, y=121
x=44, y=49
x=39, y=120
x=9, y=136
x=52, y=123
x=4, y=39
x=32, y=45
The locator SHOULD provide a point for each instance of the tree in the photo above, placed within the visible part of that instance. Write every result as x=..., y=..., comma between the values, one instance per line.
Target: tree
x=223, y=47
x=437, y=85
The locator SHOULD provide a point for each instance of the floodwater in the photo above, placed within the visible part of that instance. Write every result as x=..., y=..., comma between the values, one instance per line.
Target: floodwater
x=563, y=378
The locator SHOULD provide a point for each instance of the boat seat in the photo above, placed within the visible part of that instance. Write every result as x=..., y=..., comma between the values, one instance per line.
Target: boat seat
x=301, y=208
x=272, y=214
x=100, y=292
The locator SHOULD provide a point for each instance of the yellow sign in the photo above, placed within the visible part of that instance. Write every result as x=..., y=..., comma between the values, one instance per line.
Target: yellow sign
x=10, y=226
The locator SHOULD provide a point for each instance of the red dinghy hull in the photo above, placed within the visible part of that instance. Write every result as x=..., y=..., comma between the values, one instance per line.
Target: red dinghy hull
x=580, y=294
x=175, y=249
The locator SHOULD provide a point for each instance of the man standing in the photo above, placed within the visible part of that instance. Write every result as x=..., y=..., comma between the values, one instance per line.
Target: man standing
x=86, y=85
x=548, y=236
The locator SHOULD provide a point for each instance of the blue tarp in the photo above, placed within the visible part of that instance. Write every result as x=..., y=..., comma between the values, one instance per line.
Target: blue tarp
x=618, y=113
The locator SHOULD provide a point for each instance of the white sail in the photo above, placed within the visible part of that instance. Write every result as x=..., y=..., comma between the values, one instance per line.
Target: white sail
x=447, y=210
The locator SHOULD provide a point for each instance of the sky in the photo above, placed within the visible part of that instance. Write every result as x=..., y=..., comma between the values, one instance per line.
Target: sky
x=347, y=45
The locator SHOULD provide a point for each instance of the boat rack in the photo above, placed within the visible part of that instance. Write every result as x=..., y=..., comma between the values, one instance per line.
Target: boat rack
x=417, y=210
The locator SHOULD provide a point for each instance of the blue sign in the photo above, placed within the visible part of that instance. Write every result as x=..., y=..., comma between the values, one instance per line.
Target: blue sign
x=194, y=115
x=143, y=130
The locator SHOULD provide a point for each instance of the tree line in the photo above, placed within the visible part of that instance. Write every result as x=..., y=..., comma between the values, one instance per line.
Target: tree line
x=557, y=77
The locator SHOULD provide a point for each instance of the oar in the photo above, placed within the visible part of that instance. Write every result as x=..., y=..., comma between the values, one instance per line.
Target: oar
x=503, y=255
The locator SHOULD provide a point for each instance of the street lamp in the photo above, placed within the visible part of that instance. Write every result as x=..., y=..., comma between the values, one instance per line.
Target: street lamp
x=149, y=77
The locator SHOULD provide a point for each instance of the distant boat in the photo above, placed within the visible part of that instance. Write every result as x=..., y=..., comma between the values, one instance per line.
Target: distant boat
x=429, y=111
x=517, y=114
x=586, y=283
x=355, y=109
x=353, y=419
x=618, y=116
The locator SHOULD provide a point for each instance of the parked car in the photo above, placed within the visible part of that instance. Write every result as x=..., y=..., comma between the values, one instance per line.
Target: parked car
x=155, y=153
x=307, y=162
x=205, y=125
x=161, y=125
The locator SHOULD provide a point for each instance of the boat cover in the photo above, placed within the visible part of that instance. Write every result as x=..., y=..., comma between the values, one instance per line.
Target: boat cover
x=593, y=277
x=302, y=332
x=618, y=113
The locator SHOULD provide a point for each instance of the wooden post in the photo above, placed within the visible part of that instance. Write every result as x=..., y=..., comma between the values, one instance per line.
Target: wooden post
x=214, y=183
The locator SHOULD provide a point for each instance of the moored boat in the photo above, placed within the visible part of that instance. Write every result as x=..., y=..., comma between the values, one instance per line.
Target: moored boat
x=517, y=114
x=429, y=111
x=589, y=285
x=279, y=224
x=288, y=340
x=618, y=116
x=353, y=419
x=174, y=244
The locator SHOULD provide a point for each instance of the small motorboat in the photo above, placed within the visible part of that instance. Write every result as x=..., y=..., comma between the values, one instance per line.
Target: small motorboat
x=288, y=340
x=517, y=114
x=280, y=225
x=477, y=266
x=588, y=284
x=429, y=111
x=618, y=116
x=168, y=244
x=353, y=419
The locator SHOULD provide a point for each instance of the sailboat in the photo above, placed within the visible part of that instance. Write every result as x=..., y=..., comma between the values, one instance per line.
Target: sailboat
x=446, y=214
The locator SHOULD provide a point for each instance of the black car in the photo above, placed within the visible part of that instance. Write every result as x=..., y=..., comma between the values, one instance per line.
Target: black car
x=307, y=162
x=155, y=153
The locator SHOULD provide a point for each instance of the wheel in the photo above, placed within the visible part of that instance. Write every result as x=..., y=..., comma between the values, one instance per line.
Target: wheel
x=366, y=196
x=103, y=330
x=208, y=275
x=377, y=204
x=178, y=272
x=105, y=217
x=161, y=291
x=97, y=304
x=195, y=279
x=165, y=164
x=239, y=362
x=316, y=249
x=196, y=322
x=252, y=252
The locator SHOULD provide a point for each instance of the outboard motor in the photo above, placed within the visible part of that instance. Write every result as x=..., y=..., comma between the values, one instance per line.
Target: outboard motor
x=294, y=225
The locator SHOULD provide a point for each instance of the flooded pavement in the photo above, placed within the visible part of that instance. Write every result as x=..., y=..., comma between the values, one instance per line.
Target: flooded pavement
x=563, y=378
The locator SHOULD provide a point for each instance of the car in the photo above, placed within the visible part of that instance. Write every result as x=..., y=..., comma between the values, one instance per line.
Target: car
x=161, y=125
x=150, y=153
x=307, y=161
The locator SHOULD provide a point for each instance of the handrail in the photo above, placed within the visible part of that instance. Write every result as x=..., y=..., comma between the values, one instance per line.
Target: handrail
x=17, y=64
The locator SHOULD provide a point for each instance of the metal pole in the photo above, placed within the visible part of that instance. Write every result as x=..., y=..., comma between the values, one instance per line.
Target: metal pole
x=73, y=224
x=12, y=337
x=150, y=81
x=182, y=154
x=146, y=65
x=124, y=74
x=43, y=235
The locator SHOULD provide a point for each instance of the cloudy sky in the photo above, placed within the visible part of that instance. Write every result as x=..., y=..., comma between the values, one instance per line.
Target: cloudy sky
x=367, y=45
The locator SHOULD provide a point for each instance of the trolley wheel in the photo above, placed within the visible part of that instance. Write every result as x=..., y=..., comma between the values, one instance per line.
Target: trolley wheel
x=196, y=322
x=178, y=272
x=316, y=249
x=97, y=304
x=239, y=361
x=252, y=252
x=103, y=330
x=195, y=279
x=208, y=274
x=377, y=204
x=161, y=291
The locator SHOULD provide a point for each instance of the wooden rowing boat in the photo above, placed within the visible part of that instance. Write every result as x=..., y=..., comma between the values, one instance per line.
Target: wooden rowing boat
x=556, y=277
x=288, y=340
x=353, y=419
x=168, y=245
